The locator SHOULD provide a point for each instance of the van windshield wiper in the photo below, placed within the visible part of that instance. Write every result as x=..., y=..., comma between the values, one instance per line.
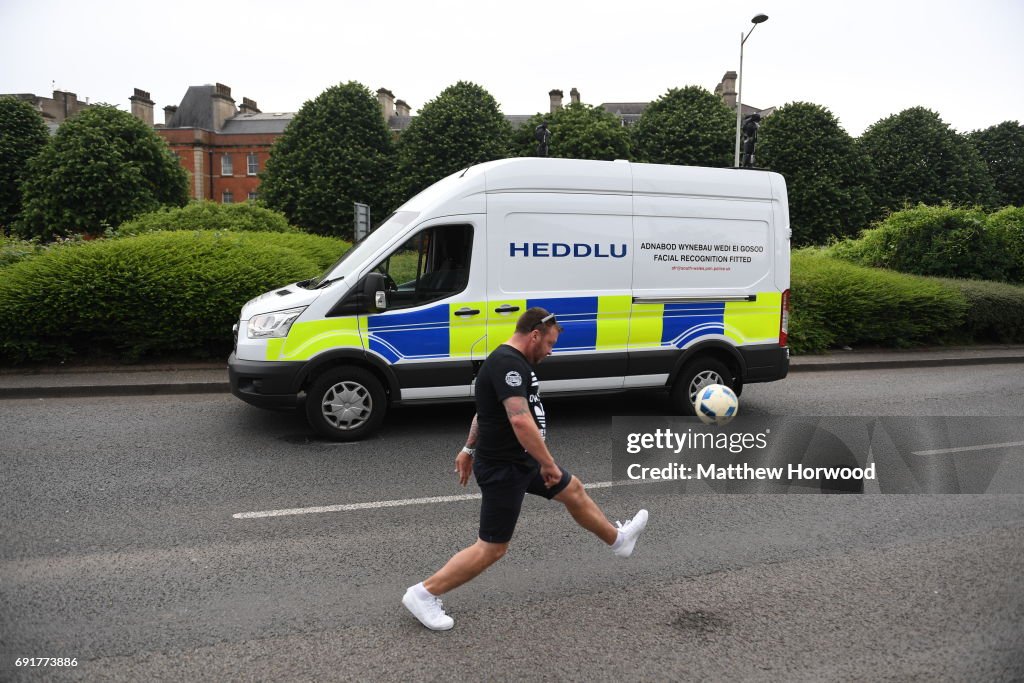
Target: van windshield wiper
x=324, y=283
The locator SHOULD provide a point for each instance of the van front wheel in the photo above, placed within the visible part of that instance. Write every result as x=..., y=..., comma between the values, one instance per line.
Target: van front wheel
x=345, y=404
x=697, y=374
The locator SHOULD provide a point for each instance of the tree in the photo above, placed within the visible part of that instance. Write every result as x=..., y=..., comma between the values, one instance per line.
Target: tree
x=461, y=127
x=1002, y=148
x=578, y=131
x=22, y=136
x=826, y=172
x=103, y=167
x=335, y=152
x=919, y=159
x=686, y=126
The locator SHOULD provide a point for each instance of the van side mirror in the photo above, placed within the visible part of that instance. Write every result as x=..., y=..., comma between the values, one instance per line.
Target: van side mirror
x=375, y=292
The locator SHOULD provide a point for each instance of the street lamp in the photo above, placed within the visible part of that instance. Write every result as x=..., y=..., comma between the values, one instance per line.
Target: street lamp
x=758, y=19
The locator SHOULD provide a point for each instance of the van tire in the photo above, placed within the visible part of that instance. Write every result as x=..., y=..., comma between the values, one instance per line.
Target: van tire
x=345, y=404
x=695, y=375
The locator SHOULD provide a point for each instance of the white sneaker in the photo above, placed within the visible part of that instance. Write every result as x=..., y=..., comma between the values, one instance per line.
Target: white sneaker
x=430, y=612
x=629, y=532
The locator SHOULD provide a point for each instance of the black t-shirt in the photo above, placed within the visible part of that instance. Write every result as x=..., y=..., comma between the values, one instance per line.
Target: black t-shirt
x=504, y=374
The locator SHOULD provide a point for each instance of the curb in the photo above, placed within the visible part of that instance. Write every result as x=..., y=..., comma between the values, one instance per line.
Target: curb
x=98, y=390
x=901, y=363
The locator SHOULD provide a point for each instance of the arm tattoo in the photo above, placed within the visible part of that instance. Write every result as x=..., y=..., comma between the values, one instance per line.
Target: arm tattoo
x=474, y=432
x=516, y=405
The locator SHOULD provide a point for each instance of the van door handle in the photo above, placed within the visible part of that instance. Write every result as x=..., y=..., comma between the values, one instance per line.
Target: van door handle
x=462, y=312
x=506, y=308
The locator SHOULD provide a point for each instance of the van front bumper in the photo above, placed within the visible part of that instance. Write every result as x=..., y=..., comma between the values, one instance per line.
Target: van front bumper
x=764, y=363
x=265, y=384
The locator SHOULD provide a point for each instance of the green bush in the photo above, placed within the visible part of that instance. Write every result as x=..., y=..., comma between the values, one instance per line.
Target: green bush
x=13, y=250
x=207, y=215
x=837, y=303
x=1007, y=226
x=322, y=251
x=103, y=167
x=941, y=241
x=168, y=293
x=995, y=312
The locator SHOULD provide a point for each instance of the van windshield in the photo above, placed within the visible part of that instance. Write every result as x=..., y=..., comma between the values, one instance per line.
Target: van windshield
x=367, y=245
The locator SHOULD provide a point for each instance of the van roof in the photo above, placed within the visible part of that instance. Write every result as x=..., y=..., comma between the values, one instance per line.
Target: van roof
x=623, y=177
x=598, y=177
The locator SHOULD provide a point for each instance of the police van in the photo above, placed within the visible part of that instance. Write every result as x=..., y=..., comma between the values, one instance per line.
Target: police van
x=663, y=277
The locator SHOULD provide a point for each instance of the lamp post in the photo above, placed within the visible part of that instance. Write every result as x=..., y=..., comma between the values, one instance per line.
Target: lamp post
x=758, y=19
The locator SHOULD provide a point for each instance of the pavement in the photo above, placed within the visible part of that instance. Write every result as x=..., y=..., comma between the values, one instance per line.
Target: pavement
x=212, y=378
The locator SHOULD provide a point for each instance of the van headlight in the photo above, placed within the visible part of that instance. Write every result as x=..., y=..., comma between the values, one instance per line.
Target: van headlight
x=274, y=324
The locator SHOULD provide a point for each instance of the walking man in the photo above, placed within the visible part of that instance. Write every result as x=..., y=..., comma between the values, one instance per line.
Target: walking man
x=505, y=450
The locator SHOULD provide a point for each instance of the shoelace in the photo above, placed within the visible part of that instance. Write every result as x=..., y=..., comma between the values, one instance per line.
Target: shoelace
x=438, y=605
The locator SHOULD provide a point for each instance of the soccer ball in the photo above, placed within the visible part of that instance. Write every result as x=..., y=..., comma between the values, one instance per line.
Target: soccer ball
x=716, y=404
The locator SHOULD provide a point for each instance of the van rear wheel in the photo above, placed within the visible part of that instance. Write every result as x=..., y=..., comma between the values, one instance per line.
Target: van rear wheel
x=345, y=404
x=697, y=374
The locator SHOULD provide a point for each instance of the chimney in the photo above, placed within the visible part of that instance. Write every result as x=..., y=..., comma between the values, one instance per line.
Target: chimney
x=223, y=105
x=169, y=111
x=574, y=96
x=248, y=107
x=727, y=89
x=402, y=109
x=142, y=107
x=556, y=100
x=387, y=103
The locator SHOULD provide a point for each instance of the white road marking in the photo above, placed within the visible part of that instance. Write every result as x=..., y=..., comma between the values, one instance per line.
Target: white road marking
x=401, y=503
x=963, y=449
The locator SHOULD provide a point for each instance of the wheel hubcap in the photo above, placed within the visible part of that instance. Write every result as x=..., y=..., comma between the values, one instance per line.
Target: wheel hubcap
x=702, y=380
x=347, y=405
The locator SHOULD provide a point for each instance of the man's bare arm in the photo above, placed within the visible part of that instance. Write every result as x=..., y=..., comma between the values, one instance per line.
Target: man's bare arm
x=521, y=418
x=474, y=433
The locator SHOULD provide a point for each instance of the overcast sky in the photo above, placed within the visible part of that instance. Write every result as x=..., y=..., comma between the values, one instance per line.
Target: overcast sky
x=863, y=60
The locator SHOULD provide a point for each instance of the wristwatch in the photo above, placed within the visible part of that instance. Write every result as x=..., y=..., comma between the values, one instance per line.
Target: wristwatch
x=468, y=451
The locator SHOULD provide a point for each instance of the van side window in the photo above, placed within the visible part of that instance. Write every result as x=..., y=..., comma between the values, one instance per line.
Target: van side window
x=431, y=265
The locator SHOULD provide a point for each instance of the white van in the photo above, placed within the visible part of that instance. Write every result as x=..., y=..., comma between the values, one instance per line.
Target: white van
x=663, y=277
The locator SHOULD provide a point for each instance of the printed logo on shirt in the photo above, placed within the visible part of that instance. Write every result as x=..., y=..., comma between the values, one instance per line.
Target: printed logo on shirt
x=514, y=379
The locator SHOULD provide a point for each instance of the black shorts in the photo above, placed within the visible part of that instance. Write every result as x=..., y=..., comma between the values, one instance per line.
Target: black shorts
x=504, y=486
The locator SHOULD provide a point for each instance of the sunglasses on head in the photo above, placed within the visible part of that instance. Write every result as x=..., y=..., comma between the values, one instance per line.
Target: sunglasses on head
x=549, y=318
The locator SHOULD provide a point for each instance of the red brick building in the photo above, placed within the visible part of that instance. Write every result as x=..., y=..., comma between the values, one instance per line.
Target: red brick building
x=223, y=148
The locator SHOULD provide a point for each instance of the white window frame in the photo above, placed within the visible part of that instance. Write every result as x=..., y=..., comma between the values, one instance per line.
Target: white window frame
x=227, y=165
x=252, y=164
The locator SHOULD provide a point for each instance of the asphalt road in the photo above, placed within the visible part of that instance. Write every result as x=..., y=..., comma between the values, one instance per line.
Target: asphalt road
x=122, y=548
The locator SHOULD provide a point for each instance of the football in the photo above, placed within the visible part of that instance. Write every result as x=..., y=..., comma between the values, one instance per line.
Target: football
x=716, y=404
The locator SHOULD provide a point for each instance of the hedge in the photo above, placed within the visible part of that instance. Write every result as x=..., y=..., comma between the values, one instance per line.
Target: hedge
x=179, y=293
x=1008, y=226
x=208, y=215
x=995, y=312
x=942, y=241
x=837, y=303
x=167, y=293
x=13, y=249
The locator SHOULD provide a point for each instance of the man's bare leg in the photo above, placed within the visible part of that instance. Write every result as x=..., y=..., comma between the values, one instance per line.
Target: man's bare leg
x=585, y=511
x=465, y=565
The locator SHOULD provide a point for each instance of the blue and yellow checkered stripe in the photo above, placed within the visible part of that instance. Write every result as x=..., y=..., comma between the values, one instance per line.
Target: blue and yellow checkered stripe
x=590, y=323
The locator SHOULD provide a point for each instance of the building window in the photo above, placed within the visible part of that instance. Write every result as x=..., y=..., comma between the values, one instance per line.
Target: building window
x=228, y=197
x=226, y=167
x=254, y=164
x=252, y=196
